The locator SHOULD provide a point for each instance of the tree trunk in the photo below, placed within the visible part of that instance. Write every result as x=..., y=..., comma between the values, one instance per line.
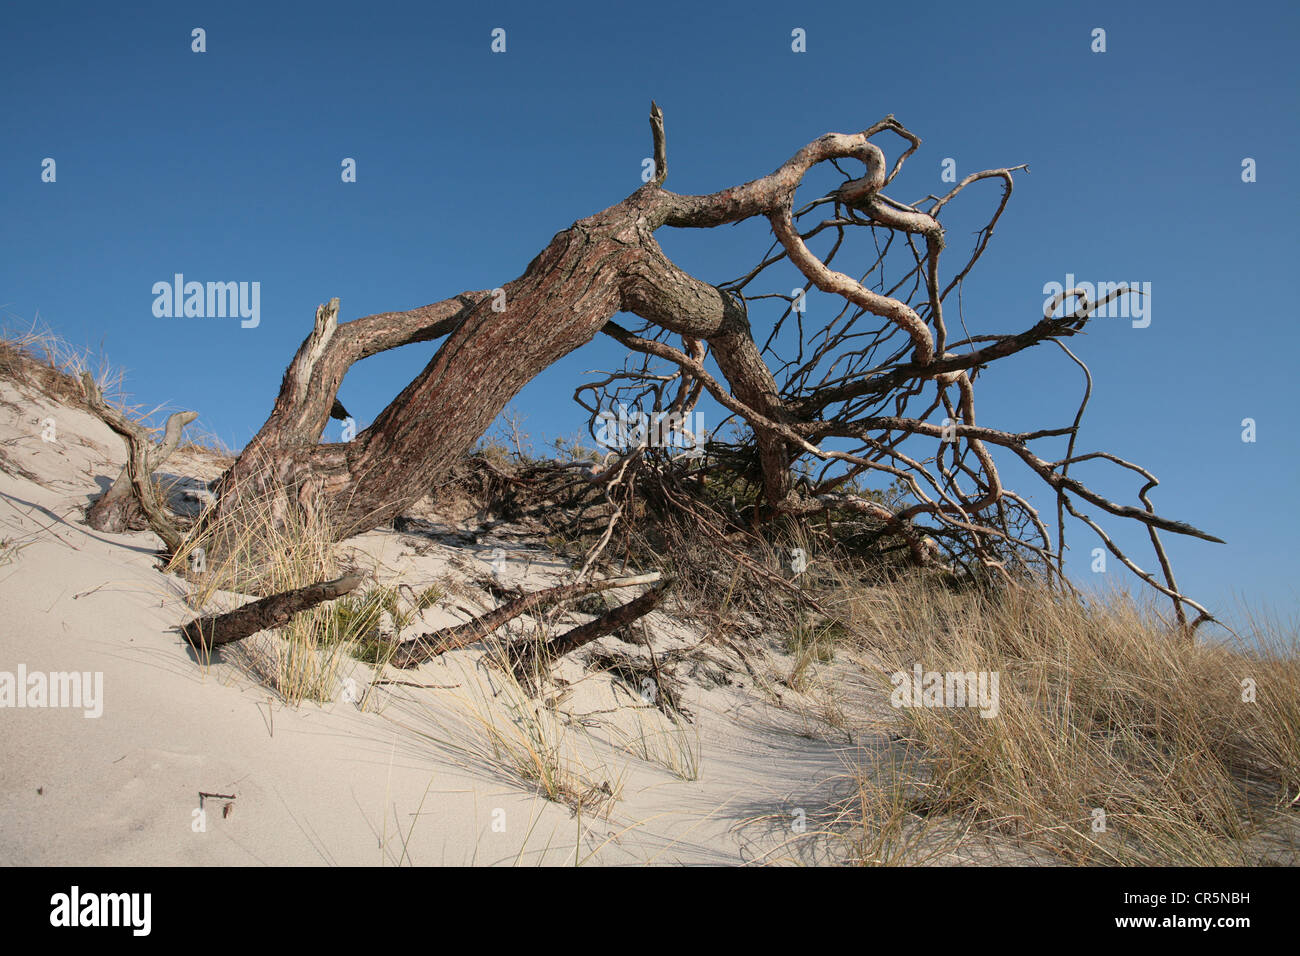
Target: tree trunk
x=497, y=341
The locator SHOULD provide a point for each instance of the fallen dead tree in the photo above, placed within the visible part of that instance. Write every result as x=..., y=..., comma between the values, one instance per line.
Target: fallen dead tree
x=877, y=391
x=529, y=658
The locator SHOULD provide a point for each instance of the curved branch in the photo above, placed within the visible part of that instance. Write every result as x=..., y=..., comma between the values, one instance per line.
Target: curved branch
x=116, y=510
x=138, y=452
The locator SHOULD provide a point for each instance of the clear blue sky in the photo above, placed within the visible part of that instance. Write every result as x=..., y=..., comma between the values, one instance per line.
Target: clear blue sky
x=225, y=166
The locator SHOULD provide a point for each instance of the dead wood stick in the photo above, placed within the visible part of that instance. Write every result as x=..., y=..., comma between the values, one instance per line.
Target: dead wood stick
x=112, y=510
x=428, y=646
x=137, y=464
x=524, y=656
x=204, y=633
x=607, y=623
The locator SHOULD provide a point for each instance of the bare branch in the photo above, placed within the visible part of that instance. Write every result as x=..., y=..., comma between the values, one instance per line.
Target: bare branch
x=428, y=646
x=138, y=471
x=205, y=633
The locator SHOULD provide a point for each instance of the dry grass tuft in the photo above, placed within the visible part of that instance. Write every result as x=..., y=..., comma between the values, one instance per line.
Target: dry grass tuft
x=1115, y=740
x=501, y=726
x=39, y=358
x=311, y=657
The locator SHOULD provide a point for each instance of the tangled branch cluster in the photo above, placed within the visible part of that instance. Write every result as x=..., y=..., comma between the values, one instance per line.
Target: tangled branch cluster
x=878, y=392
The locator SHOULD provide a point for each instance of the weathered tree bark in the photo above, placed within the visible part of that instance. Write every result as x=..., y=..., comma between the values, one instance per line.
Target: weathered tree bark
x=524, y=657
x=205, y=633
x=607, y=623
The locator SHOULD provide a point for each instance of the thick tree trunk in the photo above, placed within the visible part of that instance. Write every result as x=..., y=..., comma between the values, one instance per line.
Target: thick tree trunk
x=496, y=344
x=497, y=341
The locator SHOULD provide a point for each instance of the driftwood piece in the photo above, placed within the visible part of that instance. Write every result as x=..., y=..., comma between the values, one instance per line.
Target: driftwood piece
x=428, y=646
x=138, y=454
x=117, y=510
x=204, y=633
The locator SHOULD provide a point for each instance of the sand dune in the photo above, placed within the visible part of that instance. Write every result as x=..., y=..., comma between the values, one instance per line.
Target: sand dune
x=412, y=778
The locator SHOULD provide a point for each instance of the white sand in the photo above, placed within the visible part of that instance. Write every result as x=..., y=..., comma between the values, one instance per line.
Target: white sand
x=414, y=783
